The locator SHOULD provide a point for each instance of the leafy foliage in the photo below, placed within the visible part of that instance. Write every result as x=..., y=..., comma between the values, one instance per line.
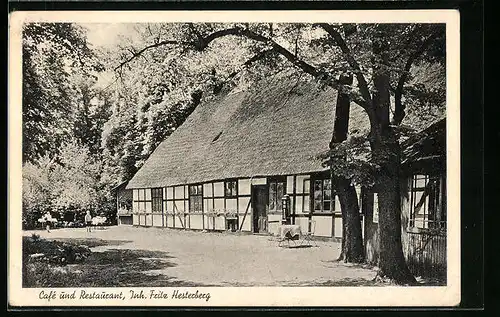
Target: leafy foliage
x=52, y=54
x=425, y=95
x=36, y=191
x=66, y=187
x=352, y=160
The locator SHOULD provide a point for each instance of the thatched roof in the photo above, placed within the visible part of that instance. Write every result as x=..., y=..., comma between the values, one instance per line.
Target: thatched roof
x=426, y=151
x=276, y=127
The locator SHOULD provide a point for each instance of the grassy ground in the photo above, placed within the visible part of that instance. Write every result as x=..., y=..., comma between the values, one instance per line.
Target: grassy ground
x=110, y=268
x=149, y=257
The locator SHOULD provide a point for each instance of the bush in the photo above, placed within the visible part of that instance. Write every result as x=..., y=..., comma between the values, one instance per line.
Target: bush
x=53, y=252
x=36, y=192
x=67, y=187
x=44, y=261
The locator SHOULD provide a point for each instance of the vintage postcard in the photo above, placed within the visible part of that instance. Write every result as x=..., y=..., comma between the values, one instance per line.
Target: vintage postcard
x=234, y=158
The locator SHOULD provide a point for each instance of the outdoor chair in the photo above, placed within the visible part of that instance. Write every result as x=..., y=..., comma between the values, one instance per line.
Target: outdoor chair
x=288, y=237
x=307, y=237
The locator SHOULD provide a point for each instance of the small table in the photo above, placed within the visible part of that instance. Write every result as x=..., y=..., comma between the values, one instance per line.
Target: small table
x=289, y=233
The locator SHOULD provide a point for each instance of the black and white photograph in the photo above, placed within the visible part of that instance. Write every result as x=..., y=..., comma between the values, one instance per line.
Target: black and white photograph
x=224, y=158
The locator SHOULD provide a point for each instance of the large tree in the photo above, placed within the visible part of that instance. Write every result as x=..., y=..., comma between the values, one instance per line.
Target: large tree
x=352, y=239
x=63, y=114
x=52, y=54
x=380, y=58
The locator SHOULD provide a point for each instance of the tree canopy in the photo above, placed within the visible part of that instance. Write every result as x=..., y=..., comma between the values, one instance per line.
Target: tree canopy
x=54, y=55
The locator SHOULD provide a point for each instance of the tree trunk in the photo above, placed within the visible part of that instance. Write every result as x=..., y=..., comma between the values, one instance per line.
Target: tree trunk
x=386, y=152
x=344, y=224
x=392, y=263
x=352, y=240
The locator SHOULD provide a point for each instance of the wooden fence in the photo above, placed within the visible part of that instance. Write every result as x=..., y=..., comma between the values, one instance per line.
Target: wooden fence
x=425, y=253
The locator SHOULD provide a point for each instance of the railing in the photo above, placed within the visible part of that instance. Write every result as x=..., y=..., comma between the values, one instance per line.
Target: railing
x=227, y=213
x=124, y=212
x=426, y=253
x=230, y=218
x=423, y=223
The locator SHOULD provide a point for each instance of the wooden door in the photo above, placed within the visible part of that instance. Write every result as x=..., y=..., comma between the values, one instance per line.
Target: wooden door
x=259, y=206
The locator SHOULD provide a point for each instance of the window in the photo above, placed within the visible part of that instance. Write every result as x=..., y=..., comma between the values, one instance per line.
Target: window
x=427, y=202
x=307, y=200
x=195, y=198
x=276, y=193
x=231, y=188
x=141, y=201
x=157, y=198
x=322, y=191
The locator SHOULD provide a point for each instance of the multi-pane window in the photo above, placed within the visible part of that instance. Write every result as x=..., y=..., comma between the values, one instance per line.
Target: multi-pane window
x=157, y=199
x=196, y=198
x=142, y=200
x=427, y=202
x=323, y=195
x=276, y=193
x=306, y=190
x=231, y=188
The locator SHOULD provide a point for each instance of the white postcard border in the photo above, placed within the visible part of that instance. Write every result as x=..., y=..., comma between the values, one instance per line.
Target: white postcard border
x=448, y=295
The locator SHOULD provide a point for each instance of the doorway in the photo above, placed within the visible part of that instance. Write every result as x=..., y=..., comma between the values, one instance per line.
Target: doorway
x=259, y=207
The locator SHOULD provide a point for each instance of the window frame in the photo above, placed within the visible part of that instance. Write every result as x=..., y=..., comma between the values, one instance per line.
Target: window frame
x=313, y=200
x=235, y=188
x=306, y=192
x=156, y=200
x=277, y=203
x=198, y=195
x=434, y=203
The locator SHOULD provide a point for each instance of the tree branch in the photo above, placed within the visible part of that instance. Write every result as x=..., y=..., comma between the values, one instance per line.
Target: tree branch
x=399, y=108
x=201, y=43
x=306, y=67
x=140, y=52
x=250, y=61
x=362, y=84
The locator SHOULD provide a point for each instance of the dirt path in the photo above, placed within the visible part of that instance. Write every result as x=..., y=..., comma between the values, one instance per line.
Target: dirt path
x=229, y=259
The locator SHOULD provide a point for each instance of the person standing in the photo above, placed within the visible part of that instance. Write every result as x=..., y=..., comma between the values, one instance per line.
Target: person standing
x=88, y=221
x=48, y=220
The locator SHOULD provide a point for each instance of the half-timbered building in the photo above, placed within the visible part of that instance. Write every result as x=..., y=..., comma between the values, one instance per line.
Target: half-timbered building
x=236, y=156
x=230, y=163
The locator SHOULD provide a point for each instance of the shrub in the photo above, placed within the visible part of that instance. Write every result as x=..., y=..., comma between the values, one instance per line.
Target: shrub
x=36, y=192
x=67, y=186
x=44, y=261
x=54, y=252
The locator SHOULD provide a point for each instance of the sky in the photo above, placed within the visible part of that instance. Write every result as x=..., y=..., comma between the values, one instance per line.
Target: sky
x=105, y=35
